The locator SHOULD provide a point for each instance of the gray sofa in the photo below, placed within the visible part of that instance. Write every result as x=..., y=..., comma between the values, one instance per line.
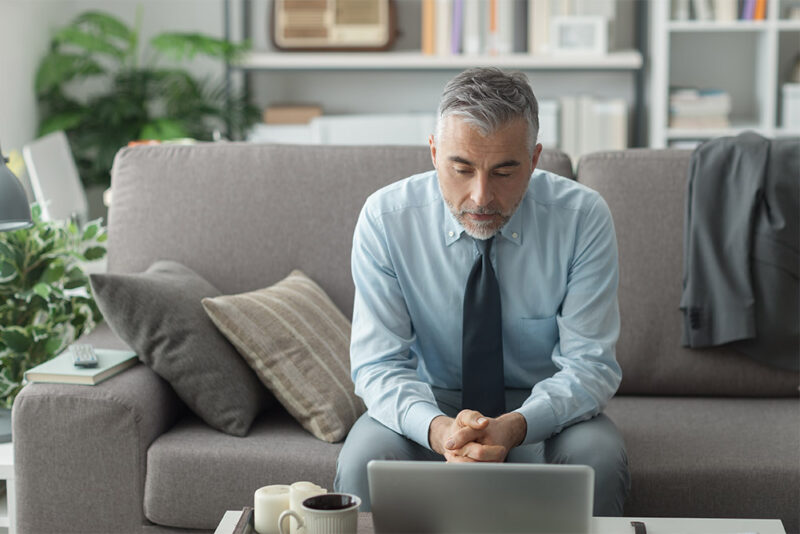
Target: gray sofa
x=709, y=433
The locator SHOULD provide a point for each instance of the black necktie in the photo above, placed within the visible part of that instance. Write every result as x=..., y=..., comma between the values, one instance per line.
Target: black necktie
x=483, y=387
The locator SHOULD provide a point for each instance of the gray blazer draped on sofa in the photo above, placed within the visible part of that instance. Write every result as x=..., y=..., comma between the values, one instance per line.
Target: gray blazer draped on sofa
x=741, y=235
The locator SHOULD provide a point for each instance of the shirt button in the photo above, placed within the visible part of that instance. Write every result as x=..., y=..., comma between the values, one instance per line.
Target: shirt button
x=451, y=233
x=515, y=235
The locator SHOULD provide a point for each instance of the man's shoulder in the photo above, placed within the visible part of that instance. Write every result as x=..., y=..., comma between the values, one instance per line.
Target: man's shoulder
x=419, y=190
x=547, y=188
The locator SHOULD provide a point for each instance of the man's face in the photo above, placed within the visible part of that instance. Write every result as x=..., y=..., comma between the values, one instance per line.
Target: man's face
x=483, y=178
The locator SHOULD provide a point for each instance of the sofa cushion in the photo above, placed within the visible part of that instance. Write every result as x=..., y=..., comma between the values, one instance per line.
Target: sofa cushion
x=195, y=474
x=158, y=313
x=250, y=234
x=711, y=457
x=645, y=192
x=298, y=343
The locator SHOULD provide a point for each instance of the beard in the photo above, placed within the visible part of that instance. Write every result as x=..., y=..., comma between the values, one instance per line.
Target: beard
x=481, y=229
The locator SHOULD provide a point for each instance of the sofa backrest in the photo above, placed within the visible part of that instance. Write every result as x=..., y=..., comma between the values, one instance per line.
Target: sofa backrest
x=645, y=191
x=245, y=215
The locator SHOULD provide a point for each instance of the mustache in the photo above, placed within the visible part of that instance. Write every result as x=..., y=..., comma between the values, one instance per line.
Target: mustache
x=481, y=211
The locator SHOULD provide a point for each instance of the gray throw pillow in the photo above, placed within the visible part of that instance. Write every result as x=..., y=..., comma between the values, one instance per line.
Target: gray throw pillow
x=160, y=315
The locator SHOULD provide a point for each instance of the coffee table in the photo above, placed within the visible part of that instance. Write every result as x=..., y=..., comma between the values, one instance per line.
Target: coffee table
x=608, y=525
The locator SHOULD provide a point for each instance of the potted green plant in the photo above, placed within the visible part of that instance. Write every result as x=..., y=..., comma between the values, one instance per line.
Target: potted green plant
x=45, y=298
x=135, y=92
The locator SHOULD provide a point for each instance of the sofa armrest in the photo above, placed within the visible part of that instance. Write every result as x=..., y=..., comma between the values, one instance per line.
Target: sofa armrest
x=80, y=452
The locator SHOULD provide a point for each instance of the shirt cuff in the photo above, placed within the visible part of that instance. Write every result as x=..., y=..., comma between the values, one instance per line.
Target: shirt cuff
x=417, y=422
x=541, y=420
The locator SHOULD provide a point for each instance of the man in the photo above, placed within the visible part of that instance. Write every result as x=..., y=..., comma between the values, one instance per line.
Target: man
x=485, y=314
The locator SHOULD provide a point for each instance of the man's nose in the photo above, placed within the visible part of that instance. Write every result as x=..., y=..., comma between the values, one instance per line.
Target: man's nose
x=481, y=192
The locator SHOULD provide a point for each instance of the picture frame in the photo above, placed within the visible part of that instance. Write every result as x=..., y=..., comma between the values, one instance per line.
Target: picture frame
x=579, y=35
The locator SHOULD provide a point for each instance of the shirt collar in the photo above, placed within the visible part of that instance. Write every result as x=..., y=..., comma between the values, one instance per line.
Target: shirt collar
x=453, y=230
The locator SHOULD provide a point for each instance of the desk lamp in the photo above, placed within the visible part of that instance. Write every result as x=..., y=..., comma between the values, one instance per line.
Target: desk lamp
x=15, y=213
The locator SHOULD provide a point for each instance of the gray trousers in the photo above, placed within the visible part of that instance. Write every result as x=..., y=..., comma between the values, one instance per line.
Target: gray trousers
x=596, y=443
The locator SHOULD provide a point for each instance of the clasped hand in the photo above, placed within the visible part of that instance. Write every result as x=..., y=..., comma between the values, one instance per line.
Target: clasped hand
x=471, y=437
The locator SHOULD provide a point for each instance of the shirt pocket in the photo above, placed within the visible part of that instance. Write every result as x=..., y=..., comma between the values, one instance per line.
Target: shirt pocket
x=536, y=338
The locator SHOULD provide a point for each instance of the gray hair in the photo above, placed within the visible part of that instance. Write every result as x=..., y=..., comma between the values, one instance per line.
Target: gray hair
x=488, y=98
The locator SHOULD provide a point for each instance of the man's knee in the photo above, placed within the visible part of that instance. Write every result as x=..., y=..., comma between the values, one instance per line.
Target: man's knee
x=370, y=440
x=595, y=442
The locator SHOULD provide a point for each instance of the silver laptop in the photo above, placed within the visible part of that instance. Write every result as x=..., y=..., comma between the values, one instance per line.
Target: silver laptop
x=441, y=498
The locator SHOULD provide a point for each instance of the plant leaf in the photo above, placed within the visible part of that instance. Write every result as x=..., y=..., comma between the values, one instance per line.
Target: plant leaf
x=63, y=121
x=16, y=338
x=58, y=68
x=89, y=42
x=163, y=129
x=7, y=272
x=94, y=253
x=53, y=272
x=180, y=46
x=106, y=24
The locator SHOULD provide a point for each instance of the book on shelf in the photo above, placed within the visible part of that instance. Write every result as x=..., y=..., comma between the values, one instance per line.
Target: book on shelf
x=538, y=26
x=748, y=10
x=760, y=10
x=61, y=370
x=725, y=10
x=591, y=124
x=291, y=113
x=680, y=10
x=702, y=9
x=499, y=27
x=692, y=108
x=246, y=523
x=428, y=27
x=443, y=26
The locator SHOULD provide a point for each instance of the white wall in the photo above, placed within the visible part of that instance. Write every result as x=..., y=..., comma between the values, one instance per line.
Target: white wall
x=27, y=25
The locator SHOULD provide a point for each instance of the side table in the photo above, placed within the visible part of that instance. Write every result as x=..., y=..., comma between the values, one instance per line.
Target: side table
x=8, y=502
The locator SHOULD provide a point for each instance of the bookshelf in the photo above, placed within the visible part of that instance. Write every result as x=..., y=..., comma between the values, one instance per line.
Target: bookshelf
x=748, y=59
x=403, y=80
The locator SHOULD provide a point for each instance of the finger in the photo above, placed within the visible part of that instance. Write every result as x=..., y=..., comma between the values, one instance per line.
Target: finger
x=457, y=458
x=483, y=453
x=472, y=419
x=461, y=437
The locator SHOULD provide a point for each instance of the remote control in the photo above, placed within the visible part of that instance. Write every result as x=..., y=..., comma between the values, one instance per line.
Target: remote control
x=83, y=355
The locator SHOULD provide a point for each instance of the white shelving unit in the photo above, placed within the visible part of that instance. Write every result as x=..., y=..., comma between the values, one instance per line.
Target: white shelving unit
x=750, y=60
x=8, y=501
x=404, y=80
x=622, y=60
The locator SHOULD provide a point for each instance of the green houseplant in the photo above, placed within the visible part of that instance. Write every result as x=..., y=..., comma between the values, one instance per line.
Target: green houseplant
x=45, y=297
x=133, y=91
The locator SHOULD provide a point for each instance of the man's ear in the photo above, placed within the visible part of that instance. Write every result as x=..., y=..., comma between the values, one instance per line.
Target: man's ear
x=537, y=152
x=432, y=144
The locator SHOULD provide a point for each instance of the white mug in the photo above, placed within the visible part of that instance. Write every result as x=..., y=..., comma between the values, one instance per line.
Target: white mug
x=329, y=513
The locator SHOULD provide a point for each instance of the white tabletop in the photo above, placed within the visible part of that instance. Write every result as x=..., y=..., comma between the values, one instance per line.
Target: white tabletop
x=620, y=525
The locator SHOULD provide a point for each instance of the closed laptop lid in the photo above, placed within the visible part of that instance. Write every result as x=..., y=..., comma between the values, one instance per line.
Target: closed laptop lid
x=437, y=497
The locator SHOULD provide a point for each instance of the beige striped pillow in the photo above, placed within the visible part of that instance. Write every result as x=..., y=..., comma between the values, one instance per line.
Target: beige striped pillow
x=298, y=343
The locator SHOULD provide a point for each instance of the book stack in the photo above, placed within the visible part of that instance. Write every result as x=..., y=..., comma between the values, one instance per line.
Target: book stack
x=498, y=27
x=590, y=124
x=691, y=108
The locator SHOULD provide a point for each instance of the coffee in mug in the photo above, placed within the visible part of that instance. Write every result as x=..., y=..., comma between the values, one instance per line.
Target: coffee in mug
x=329, y=513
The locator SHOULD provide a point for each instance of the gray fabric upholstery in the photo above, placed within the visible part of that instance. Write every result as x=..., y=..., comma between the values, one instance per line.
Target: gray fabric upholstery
x=712, y=457
x=159, y=314
x=645, y=191
x=87, y=438
x=194, y=474
x=244, y=216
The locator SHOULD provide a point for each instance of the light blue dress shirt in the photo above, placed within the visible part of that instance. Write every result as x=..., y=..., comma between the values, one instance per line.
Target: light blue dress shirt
x=556, y=263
